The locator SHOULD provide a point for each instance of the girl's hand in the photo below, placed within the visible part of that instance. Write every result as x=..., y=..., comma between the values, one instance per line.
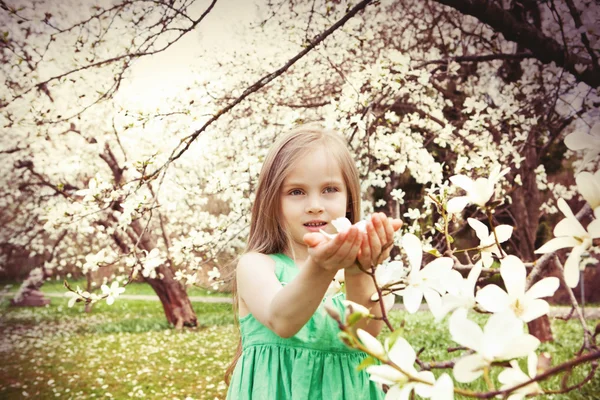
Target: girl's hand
x=377, y=241
x=335, y=254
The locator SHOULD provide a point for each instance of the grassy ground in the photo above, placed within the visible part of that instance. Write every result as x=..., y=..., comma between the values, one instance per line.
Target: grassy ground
x=127, y=350
x=56, y=286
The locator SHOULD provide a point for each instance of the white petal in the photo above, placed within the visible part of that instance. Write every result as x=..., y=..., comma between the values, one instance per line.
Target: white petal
x=594, y=228
x=341, y=224
x=414, y=251
x=443, y=388
x=513, y=274
x=569, y=226
x=510, y=377
x=532, y=361
x=462, y=181
x=580, y=140
x=328, y=235
x=372, y=344
x=385, y=374
x=492, y=298
x=504, y=232
x=473, y=276
x=457, y=204
x=502, y=327
x=403, y=355
x=544, y=288
x=453, y=282
x=535, y=308
x=572, y=266
x=557, y=244
x=589, y=187
x=481, y=230
x=464, y=331
x=412, y=298
x=388, y=301
x=482, y=191
x=423, y=389
x=437, y=269
x=469, y=368
x=434, y=301
x=519, y=347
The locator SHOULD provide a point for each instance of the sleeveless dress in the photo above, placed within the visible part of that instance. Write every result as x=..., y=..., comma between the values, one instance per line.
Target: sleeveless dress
x=314, y=364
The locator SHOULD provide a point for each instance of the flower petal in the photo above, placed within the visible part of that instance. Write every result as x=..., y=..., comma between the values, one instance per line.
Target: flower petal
x=469, y=368
x=513, y=274
x=403, y=355
x=589, y=187
x=423, y=389
x=579, y=140
x=543, y=288
x=385, y=374
x=570, y=226
x=492, y=298
x=519, y=347
x=481, y=230
x=504, y=232
x=412, y=298
x=571, y=271
x=341, y=224
x=594, y=228
x=443, y=388
x=463, y=182
x=434, y=301
x=457, y=204
x=464, y=331
x=372, y=344
x=557, y=244
x=535, y=309
x=414, y=251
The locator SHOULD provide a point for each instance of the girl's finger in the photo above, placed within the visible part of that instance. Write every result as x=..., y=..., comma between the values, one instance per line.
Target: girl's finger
x=379, y=228
x=364, y=256
x=389, y=230
x=397, y=224
x=375, y=244
x=346, y=246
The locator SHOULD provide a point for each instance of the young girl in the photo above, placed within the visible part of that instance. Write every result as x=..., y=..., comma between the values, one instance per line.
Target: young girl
x=289, y=346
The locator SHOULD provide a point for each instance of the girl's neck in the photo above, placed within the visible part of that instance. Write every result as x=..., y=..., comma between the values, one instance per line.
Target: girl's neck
x=298, y=255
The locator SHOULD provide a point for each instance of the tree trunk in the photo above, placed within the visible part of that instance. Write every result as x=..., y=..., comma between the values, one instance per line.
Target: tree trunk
x=541, y=329
x=176, y=303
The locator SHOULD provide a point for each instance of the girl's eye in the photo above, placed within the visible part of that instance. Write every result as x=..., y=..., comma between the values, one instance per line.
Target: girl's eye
x=296, y=192
x=331, y=189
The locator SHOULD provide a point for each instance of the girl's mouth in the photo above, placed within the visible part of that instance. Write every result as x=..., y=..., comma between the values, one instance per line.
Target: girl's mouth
x=315, y=226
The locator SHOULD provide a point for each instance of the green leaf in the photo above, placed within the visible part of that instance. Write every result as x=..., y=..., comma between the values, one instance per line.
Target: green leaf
x=435, y=252
x=367, y=362
x=354, y=318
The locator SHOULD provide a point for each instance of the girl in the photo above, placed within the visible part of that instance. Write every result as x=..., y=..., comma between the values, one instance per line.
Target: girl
x=289, y=346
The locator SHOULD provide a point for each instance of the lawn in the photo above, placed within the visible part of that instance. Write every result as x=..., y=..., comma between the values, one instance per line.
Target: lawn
x=127, y=350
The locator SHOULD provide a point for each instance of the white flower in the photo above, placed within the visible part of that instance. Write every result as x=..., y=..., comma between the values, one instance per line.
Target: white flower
x=390, y=276
x=214, y=274
x=526, y=306
x=413, y=213
x=589, y=187
x=72, y=296
x=514, y=376
x=113, y=292
x=461, y=292
x=372, y=344
x=426, y=282
x=398, y=195
x=352, y=307
x=151, y=262
x=479, y=191
x=588, y=142
x=570, y=233
x=92, y=261
x=502, y=338
x=487, y=240
x=403, y=383
x=342, y=224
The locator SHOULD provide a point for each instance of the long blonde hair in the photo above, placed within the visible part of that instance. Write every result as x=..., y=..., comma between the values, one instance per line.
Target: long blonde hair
x=267, y=233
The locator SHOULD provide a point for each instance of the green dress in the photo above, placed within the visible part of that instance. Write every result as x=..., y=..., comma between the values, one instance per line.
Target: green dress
x=313, y=364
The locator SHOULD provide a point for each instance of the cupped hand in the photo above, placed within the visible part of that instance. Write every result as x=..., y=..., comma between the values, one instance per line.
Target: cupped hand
x=377, y=241
x=334, y=254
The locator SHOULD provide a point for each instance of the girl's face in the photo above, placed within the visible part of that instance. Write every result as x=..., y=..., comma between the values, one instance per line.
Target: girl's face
x=312, y=195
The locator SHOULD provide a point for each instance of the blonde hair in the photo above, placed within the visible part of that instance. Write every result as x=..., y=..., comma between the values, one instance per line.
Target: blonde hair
x=267, y=232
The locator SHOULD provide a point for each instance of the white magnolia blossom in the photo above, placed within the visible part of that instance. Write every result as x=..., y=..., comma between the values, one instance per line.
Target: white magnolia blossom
x=113, y=292
x=570, y=233
x=525, y=305
x=93, y=261
x=501, y=339
x=390, y=276
x=461, y=291
x=427, y=282
x=583, y=141
x=513, y=376
x=404, y=356
x=479, y=191
x=588, y=185
x=487, y=240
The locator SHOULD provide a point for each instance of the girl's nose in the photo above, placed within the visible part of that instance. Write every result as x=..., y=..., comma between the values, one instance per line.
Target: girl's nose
x=314, y=206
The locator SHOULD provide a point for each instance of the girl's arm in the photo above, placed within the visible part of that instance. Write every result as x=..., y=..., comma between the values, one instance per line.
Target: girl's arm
x=286, y=309
x=360, y=286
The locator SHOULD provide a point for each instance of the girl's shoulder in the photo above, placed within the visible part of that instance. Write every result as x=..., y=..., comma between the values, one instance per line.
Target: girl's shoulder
x=253, y=260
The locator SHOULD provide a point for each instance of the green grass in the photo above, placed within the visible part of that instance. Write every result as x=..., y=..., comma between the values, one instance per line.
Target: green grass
x=127, y=350
x=134, y=288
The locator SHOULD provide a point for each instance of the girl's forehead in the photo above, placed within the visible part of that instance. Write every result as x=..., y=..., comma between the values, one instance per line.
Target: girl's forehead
x=316, y=165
